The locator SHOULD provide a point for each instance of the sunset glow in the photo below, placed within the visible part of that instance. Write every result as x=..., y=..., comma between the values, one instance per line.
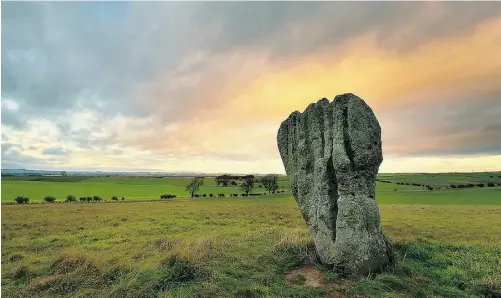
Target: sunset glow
x=152, y=86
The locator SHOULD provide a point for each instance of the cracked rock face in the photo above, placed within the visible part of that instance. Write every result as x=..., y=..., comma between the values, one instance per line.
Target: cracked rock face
x=331, y=153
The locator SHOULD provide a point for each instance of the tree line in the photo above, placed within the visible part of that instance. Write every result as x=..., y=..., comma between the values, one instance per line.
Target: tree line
x=269, y=182
x=69, y=198
x=248, y=182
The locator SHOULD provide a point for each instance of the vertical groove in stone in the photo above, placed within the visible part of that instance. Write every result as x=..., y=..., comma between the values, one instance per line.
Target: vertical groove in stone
x=331, y=174
x=346, y=135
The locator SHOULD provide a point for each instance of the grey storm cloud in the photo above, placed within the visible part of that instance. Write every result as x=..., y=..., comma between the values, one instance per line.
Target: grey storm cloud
x=18, y=160
x=13, y=158
x=458, y=124
x=62, y=55
x=12, y=118
x=59, y=57
x=55, y=150
x=7, y=147
x=265, y=24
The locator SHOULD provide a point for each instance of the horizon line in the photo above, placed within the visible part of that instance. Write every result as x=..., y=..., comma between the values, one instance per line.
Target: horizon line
x=236, y=173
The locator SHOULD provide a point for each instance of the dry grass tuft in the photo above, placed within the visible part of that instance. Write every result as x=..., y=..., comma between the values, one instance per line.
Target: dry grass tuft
x=45, y=282
x=167, y=244
x=67, y=264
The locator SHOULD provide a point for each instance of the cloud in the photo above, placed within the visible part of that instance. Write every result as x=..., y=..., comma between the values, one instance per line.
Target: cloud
x=15, y=158
x=7, y=147
x=10, y=113
x=57, y=150
x=452, y=124
x=168, y=84
x=59, y=56
x=295, y=28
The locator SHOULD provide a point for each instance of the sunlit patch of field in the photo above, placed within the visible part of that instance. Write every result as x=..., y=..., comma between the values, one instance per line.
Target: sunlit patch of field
x=36, y=188
x=444, y=179
x=235, y=248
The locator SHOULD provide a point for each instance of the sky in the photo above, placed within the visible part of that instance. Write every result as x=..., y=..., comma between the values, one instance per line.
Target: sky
x=204, y=86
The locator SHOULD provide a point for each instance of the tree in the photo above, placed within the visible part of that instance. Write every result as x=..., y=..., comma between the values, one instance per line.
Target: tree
x=222, y=180
x=22, y=200
x=82, y=199
x=114, y=198
x=194, y=185
x=49, y=199
x=71, y=198
x=270, y=182
x=167, y=196
x=248, y=184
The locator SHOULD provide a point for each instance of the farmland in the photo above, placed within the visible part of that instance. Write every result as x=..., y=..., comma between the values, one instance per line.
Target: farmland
x=444, y=179
x=448, y=241
x=37, y=187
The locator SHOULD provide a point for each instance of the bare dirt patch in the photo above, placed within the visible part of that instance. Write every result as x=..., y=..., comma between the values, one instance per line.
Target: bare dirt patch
x=335, y=295
x=309, y=276
x=312, y=277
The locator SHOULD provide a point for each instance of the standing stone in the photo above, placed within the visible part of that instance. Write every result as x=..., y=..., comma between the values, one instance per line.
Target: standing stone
x=331, y=153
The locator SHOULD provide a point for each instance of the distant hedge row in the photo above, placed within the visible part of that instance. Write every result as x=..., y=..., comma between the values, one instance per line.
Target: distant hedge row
x=222, y=195
x=469, y=185
x=384, y=181
x=70, y=198
x=167, y=196
x=413, y=184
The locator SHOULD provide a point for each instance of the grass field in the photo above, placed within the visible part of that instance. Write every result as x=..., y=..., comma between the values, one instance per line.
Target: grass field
x=36, y=188
x=444, y=179
x=448, y=244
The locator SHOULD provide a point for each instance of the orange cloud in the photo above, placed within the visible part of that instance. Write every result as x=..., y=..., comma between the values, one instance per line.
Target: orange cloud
x=376, y=74
x=248, y=107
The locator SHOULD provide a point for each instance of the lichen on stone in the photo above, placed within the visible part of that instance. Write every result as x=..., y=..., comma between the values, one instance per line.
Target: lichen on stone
x=332, y=153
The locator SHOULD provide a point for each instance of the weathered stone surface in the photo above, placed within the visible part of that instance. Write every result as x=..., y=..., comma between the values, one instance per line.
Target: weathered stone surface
x=332, y=152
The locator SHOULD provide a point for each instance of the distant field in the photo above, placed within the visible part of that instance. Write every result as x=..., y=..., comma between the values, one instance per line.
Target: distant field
x=444, y=179
x=472, y=196
x=36, y=188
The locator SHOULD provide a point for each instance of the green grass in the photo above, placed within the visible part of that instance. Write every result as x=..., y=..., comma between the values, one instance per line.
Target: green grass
x=234, y=248
x=447, y=241
x=444, y=179
x=470, y=196
x=36, y=188
x=152, y=188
